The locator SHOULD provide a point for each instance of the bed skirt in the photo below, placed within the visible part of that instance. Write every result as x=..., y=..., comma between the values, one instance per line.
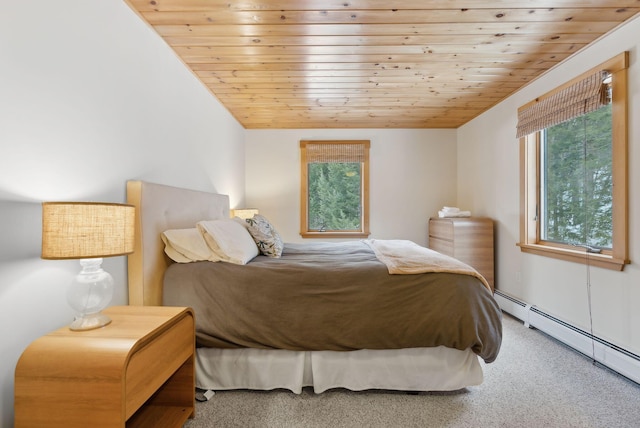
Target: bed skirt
x=414, y=369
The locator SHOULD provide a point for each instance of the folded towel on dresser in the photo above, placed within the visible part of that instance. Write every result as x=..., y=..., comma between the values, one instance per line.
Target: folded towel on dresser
x=451, y=209
x=453, y=212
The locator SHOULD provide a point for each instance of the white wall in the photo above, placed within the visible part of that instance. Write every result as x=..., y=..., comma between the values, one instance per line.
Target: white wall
x=89, y=98
x=488, y=182
x=412, y=175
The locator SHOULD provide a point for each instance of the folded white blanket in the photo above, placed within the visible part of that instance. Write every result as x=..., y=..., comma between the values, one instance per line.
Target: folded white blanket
x=406, y=257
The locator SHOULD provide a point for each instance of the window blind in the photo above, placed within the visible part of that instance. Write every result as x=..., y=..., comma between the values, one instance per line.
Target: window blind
x=336, y=152
x=582, y=97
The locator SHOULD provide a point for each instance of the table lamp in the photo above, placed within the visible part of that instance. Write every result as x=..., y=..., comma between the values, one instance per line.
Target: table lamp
x=88, y=231
x=244, y=213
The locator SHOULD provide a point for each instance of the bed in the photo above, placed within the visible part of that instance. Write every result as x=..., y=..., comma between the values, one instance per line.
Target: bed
x=374, y=354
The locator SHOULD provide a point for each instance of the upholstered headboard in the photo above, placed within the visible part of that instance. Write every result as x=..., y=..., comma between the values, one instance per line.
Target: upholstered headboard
x=159, y=208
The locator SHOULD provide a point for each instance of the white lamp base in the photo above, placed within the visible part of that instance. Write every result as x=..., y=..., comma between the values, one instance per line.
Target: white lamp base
x=89, y=322
x=89, y=293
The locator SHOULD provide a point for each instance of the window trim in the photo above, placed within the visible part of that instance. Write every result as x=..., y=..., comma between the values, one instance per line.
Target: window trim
x=304, y=197
x=530, y=242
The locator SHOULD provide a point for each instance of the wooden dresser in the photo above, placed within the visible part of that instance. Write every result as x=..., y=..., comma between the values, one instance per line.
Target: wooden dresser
x=468, y=239
x=137, y=371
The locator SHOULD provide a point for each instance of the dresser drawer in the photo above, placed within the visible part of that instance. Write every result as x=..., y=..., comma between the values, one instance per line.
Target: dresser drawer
x=441, y=245
x=442, y=229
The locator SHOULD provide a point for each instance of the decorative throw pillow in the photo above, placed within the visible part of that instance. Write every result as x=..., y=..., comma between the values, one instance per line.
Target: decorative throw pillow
x=228, y=240
x=265, y=235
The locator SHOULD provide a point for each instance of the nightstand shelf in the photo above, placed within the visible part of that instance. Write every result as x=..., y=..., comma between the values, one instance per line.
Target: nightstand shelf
x=137, y=371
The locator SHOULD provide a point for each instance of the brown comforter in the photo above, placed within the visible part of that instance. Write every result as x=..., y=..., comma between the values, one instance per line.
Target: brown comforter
x=333, y=296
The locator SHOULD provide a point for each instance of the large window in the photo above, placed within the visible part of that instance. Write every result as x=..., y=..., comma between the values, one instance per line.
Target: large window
x=334, y=197
x=574, y=173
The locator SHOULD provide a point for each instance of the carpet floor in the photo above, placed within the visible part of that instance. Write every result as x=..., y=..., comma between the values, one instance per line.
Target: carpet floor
x=535, y=382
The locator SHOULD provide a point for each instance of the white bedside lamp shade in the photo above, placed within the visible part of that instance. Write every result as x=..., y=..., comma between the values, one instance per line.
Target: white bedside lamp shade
x=88, y=231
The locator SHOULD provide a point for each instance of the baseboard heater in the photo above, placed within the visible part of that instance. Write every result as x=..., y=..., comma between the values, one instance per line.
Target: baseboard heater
x=614, y=357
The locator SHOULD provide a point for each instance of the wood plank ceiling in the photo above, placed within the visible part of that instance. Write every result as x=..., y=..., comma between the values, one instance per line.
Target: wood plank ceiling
x=373, y=63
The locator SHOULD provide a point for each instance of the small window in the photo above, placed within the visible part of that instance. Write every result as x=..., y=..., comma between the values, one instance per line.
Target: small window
x=574, y=169
x=334, y=195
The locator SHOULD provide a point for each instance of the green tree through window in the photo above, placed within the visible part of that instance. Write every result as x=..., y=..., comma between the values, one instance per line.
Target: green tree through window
x=576, y=181
x=334, y=196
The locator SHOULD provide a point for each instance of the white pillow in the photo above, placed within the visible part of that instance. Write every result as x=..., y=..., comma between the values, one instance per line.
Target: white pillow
x=228, y=240
x=240, y=221
x=186, y=245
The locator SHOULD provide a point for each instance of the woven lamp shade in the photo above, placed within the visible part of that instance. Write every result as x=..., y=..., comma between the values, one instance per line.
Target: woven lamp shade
x=83, y=230
x=244, y=213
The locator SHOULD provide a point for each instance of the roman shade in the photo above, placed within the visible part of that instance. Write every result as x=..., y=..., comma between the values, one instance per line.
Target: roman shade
x=336, y=152
x=563, y=104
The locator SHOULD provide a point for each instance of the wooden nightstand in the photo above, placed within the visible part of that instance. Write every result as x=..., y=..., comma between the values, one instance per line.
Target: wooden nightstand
x=137, y=371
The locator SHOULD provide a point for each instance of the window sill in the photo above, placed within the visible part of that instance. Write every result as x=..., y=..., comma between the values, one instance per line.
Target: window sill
x=604, y=261
x=334, y=234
